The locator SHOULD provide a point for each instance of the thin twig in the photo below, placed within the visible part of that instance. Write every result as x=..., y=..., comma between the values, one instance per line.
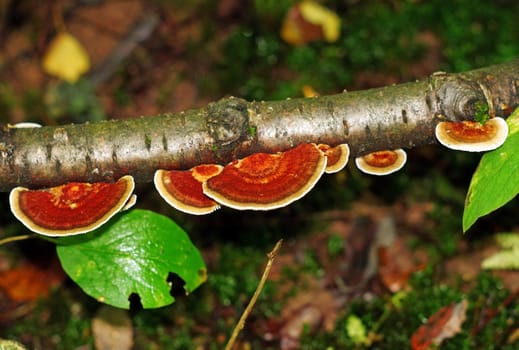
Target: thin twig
x=16, y=238
x=241, y=323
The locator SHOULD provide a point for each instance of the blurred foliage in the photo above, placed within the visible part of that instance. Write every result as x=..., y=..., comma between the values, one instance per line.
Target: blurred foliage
x=423, y=300
x=376, y=36
x=75, y=103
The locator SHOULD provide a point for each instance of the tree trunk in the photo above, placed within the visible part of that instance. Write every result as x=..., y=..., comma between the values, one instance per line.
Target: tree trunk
x=399, y=116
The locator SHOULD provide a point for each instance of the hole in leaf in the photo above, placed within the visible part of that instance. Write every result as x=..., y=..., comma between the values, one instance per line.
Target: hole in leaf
x=135, y=302
x=177, y=285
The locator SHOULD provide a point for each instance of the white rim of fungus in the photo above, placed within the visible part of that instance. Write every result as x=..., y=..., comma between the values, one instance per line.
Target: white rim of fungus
x=482, y=146
x=366, y=168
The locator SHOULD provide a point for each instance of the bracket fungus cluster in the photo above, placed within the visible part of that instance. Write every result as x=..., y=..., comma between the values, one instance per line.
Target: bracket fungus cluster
x=72, y=208
x=472, y=136
x=259, y=182
x=336, y=157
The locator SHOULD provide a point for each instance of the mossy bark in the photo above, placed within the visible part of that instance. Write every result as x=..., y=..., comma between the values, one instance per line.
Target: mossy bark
x=399, y=116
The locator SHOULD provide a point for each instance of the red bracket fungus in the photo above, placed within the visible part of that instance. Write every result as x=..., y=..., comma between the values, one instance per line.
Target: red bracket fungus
x=472, y=136
x=183, y=189
x=336, y=157
x=267, y=181
x=70, y=209
x=381, y=162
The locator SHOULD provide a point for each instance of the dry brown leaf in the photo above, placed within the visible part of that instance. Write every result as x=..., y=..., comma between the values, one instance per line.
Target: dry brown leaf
x=397, y=262
x=444, y=324
x=29, y=282
x=312, y=309
x=112, y=329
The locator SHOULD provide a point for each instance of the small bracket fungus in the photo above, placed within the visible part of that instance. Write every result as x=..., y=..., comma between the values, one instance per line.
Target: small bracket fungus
x=24, y=125
x=471, y=136
x=267, y=181
x=381, y=162
x=130, y=202
x=183, y=189
x=336, y=157
x=70, y=209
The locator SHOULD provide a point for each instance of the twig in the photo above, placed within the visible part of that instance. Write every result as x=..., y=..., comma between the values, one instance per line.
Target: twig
x=16, y=238
x=241, y=323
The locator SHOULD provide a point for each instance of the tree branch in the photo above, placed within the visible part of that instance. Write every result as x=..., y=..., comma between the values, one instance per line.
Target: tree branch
x=384, y=118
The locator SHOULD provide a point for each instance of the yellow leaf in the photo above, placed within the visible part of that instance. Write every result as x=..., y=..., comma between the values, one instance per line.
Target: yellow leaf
x=309, y=91
x=320, y=15
x=309, y=21
x=66, y=58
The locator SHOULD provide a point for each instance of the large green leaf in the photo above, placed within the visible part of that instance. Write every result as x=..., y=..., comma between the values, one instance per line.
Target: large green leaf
x=496, y=180
x=134, y=253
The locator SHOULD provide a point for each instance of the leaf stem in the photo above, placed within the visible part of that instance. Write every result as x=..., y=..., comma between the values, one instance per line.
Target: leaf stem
x=241, y=322
x=16, y=238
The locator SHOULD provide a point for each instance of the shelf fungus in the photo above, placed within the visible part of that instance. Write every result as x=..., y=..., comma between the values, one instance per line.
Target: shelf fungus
x=336, y=157
x=182, y=189
x=381, y=162
x=130, y=202
x=472, y=136
x=267, y=181
x=70, y=209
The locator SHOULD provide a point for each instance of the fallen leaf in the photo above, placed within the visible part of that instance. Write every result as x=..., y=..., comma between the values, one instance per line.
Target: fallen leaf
x=309, y=91
x=444, y=324
x=112, y=329
x=66, y=58
x=514, y=336
x=313, y=309
x=29, y=282
x=397, y=262
x=316, y=13
x=508, y=257
x=310, y=21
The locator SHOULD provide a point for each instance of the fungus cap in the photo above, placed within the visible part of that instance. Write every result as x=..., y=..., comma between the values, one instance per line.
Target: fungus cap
x=130, y=202
x=336, y=157
x=267, y=181
x=471, y=136
x=381, y=162
x=182, y=189
x=70, y=209
x=24, y=125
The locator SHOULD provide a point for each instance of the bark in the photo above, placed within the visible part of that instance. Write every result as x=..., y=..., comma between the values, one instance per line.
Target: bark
x=399, y=116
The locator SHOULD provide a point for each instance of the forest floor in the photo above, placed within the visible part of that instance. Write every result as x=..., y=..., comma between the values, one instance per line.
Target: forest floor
x=365, y=261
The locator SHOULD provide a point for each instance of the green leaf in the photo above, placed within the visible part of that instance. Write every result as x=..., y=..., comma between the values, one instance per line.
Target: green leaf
x=356, y=329
x=495, y=181
x=133, y=253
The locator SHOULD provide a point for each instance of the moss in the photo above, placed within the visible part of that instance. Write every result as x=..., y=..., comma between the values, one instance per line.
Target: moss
x=481, y=114
x=252, y=131
x=400, y=320
x=335, y=245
